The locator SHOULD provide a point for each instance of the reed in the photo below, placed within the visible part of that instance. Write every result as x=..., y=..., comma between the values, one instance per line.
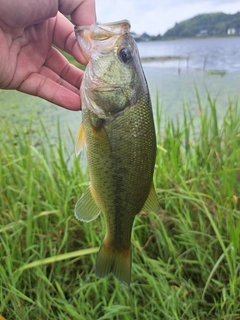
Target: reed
x=186, y=257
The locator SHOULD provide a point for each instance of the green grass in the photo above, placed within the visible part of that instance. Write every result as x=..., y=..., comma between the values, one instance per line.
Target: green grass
x=186, y=258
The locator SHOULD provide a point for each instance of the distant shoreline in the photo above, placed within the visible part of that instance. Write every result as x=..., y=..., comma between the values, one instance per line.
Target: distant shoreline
x=163, y=58
x=188, y=38
x=207, y=25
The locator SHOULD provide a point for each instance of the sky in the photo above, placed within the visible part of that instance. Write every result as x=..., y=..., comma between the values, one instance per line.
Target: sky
x=157, y=16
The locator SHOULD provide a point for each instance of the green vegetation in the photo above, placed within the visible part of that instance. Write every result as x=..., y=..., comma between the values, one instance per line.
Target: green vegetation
x=213, y=72
x=211, y=24
x=186, y=257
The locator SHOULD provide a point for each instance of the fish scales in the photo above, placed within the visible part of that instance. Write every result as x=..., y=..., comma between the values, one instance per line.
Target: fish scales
x=120, y=140
x=113, y=167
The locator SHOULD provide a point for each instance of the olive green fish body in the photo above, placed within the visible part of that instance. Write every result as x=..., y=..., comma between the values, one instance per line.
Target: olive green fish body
x=121, y=157
x=121, y=149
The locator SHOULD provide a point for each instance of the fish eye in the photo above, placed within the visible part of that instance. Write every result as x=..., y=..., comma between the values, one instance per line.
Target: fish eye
x=125, y=55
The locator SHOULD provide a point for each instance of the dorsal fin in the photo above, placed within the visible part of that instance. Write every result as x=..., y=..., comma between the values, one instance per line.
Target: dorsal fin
x=152, y=203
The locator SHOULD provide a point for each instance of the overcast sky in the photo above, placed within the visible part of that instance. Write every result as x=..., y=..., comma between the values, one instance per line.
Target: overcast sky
x=157, y=16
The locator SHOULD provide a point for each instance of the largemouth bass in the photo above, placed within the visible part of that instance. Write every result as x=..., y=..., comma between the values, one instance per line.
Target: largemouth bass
x=118, y=131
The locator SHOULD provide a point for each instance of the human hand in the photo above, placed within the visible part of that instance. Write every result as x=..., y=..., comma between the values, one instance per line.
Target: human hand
x=29, y=62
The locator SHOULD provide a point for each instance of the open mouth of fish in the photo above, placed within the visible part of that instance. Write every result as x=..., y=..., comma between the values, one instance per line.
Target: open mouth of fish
x=91, y=37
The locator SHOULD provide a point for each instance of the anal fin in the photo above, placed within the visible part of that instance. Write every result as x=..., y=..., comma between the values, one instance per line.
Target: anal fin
x=86, y=208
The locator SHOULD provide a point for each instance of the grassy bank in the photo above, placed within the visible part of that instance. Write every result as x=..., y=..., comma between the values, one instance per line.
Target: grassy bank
x=186, y=258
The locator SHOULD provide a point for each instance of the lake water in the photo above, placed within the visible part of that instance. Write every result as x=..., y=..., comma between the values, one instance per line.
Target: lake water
x=212, y=64
x=199, y=53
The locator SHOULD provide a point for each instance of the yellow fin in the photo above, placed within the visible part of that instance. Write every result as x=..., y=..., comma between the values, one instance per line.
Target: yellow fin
x=115, y=261
x=151, y=203
x=80, y=140
x=86, y=208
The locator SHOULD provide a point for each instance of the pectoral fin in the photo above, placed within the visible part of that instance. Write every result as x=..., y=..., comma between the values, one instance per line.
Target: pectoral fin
x=80, y=140
x=86, y=208
x=151, y=203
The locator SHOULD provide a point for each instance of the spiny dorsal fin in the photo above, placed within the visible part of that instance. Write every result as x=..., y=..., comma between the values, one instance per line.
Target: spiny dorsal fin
x=86, y=208
x=151, y=203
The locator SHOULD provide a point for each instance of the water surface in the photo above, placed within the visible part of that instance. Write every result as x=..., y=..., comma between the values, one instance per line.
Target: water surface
x=199, y=53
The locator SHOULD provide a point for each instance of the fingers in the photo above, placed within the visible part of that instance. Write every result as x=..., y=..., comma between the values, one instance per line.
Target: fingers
x=58, y=82
x=63, y=69
x=45, y=86
x=50, y=74
x=82, y=12
x=64, y=38
x=19, y=14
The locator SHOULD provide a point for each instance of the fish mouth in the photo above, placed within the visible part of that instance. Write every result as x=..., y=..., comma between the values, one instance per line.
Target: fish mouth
x=103, y=31
x=101, y=37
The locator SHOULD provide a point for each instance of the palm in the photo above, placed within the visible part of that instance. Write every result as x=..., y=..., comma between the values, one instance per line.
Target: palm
x=25, y=55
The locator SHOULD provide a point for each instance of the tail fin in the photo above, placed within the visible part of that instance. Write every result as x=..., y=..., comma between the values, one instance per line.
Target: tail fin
x=115, y=261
